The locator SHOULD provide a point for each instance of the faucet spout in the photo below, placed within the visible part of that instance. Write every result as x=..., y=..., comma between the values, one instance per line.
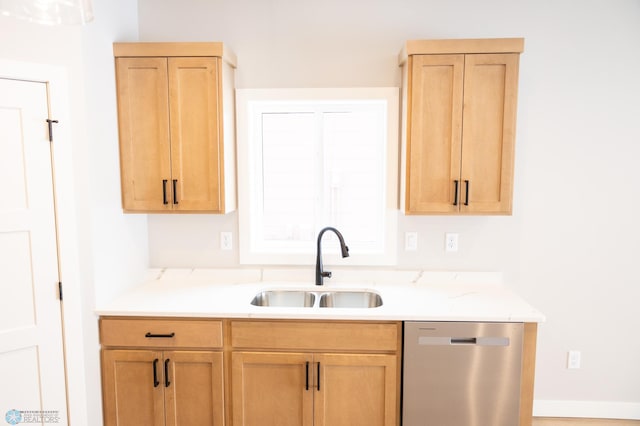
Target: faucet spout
x=320, y=273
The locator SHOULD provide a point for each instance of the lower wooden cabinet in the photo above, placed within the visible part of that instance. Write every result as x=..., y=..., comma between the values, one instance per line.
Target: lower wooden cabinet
x=297, y=389
x=173, y=388
x=313, y=387
x=149, y=379
x=130, y=396
x=356, y=389
x=272, y=389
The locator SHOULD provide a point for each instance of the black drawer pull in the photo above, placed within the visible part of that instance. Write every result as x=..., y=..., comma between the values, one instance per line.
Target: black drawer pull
x=318, y=376
x=159, y=336
x=306, y=376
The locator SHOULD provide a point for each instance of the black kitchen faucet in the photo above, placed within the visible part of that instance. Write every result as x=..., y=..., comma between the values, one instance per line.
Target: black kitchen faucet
x=320, y=274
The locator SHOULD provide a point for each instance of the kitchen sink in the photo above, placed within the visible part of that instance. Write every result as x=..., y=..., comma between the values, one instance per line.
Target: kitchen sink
x=350, y=299
x=322, y=299
x=285, y=298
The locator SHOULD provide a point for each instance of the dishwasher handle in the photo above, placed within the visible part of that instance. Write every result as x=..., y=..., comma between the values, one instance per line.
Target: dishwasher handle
x=464, y=340
x=468, y=341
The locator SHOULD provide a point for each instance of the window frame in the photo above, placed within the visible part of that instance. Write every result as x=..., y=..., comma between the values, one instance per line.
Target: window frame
x=245, y=127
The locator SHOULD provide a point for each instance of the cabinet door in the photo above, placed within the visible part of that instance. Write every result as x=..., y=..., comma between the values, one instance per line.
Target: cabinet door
x=272, y=389
x=488, y=135
x=196, y=148
x=131, y=397
x=435, y=131
x=356, y=390
x=143, y=120
x=194, y=391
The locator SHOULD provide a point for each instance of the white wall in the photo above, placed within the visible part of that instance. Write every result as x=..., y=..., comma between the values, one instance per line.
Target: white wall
x=119, y=240
x=572, y=243
x=108, y=250
x=116, y=254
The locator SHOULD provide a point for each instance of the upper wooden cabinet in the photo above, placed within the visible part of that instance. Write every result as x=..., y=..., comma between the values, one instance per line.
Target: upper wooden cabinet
x=460, y=100
x=176, y=126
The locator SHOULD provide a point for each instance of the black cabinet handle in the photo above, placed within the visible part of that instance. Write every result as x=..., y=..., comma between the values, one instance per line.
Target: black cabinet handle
x=174, y=182
x=318, y=376
x=306, y=376
x=455, y=194
x=159, y=336
x=164, y=192
x=156, y=382
x=166, y=373
x=466, y=197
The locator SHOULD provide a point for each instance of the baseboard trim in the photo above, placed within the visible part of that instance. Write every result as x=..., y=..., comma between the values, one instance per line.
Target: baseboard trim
x=572, y=421
x=587, y=409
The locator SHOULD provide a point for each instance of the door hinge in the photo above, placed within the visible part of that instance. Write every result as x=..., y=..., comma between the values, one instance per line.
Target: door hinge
x=60, y=289
x=50, y=124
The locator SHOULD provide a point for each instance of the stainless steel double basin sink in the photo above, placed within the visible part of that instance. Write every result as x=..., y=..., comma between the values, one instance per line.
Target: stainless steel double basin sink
x=321, y=299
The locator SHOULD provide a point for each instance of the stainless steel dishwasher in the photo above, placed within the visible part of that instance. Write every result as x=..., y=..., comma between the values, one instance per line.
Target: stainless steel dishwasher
x=461, y=374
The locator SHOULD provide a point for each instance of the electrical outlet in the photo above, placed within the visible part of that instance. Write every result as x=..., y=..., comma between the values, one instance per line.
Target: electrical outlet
x=226, y=241
x=573, y=360
x=451, y=241
x=410, y=241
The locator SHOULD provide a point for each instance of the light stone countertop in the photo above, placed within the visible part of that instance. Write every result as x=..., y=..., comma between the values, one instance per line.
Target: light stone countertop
x=406, y=295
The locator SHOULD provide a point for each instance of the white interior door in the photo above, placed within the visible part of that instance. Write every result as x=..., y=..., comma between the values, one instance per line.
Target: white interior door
x=31, y=354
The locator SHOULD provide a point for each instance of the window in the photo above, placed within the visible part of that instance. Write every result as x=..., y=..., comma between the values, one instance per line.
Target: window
x=310, y=158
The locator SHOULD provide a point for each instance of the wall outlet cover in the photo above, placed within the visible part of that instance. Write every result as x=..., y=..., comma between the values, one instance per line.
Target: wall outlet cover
x=226, y=241
x=411, y=241
x=451, y=242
